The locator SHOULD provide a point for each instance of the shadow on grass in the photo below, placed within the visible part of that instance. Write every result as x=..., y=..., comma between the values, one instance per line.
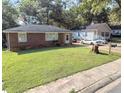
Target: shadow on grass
x=46, y=49
x=4, y=49
x=101, y=53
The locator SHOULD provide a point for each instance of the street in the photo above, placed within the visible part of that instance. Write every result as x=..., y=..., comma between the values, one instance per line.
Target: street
x=116, y=89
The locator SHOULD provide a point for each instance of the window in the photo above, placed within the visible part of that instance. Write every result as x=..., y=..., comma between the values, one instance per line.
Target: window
x=78, y=33
x=102, y=34
x=107, y=34
x=67, y=37
x=85, y=33
x=51, y=36
x=22, y=37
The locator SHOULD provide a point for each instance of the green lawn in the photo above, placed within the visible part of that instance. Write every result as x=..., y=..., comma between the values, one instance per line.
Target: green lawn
x=31, y=68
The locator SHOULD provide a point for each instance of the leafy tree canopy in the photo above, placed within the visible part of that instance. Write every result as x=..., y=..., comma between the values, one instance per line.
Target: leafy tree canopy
x=9, y=14
x=63, y=13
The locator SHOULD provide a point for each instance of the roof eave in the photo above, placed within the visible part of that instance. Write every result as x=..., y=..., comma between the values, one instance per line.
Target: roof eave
x=36, y=32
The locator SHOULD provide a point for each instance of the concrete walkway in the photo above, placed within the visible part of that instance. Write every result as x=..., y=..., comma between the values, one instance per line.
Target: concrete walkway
x=83, y=81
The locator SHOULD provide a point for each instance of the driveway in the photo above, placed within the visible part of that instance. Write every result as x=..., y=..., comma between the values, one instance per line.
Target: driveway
x=114, y=49
x=106, y=48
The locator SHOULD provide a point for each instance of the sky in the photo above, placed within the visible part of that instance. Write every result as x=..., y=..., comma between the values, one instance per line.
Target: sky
x=14, y=1
x=71, y=2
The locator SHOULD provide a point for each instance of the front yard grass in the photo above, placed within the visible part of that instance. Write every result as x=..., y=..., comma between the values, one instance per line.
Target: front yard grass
x=31, y=68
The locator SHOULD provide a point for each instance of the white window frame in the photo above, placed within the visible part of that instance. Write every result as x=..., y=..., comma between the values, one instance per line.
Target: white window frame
x=51, y=36
x=22, y=37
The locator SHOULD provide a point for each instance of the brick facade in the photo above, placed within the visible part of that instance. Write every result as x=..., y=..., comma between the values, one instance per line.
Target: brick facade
x=34, y=40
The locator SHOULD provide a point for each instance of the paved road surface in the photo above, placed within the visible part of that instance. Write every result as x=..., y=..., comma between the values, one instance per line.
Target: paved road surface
x=116, y=89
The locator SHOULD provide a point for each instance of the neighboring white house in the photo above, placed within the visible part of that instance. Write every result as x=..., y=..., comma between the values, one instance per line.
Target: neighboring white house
x=93, y=31
x=78, y=34
x=97, y=31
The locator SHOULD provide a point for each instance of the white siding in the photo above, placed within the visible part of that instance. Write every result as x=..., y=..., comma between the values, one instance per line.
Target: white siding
x=89, y=36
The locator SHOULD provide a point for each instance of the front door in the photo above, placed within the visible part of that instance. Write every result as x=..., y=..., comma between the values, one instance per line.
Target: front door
x=67, y=38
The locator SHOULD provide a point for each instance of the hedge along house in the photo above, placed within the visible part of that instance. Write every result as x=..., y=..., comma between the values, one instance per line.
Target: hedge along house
x=36, y=36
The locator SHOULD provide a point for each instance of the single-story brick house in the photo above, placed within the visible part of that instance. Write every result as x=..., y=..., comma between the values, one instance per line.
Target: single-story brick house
x=36, y=36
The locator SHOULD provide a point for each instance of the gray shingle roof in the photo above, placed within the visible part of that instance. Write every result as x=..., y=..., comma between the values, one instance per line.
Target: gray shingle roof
x=36, y=29
x=102, y=27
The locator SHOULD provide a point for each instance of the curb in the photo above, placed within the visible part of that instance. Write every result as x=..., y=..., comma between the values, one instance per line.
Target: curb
x=109, y=87
x=101, y=83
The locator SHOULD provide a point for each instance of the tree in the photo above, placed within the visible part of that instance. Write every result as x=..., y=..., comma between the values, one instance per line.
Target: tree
x=9, y=14
x=114, y=16
x=114, y=13
x=119, y=3
x=67, y=18
x=69, y=13
x=40, y=9
x=29, y=8
x=51, y=12
x=102, y=17
x=84, y=10
x=99, y=10
x=95, y=48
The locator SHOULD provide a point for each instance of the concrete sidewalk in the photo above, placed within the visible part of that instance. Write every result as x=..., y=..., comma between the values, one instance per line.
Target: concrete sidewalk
x=83, y=82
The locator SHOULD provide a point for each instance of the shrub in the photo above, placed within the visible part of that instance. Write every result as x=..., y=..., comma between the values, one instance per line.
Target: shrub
x=22, y=47
x=72, y=91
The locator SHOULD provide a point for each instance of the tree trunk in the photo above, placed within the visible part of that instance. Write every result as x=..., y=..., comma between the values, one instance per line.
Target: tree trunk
x=109, y=47
x=95, y=49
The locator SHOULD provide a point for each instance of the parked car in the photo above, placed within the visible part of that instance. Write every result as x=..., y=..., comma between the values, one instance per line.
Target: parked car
x=113, y=45
x=99, y=42
x=75, y=40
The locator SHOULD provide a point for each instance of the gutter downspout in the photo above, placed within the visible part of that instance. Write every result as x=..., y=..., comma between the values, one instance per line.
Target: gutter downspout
x=8, y=42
